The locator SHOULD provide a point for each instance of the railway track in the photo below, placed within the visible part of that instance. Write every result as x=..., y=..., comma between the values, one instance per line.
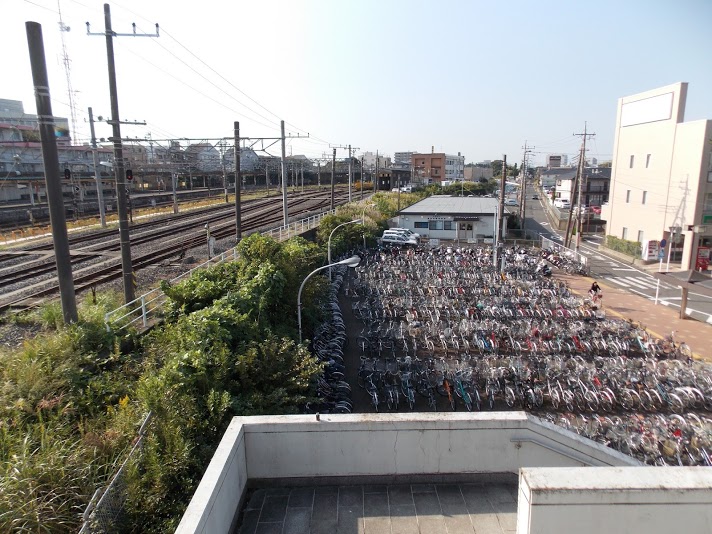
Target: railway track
x=168, y=242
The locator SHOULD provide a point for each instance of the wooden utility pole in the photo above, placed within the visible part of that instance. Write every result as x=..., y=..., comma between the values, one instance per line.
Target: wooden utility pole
x=284, y=178
x=583, y=174
x=502, y=233
x=238, y=186
x=53, y=181
x=333, y=177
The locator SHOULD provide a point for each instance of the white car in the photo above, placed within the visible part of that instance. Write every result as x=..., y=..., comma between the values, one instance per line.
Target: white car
x=511, y=202
x=407, y=231
x=395, y=239
x=562, y=203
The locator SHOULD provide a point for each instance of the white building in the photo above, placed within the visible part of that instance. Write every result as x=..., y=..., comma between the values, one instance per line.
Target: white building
x=661, y=183
x=471, y=219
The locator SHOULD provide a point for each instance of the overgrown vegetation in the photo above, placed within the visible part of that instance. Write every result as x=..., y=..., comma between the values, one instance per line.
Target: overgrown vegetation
x=631, y=248
x=73, y=396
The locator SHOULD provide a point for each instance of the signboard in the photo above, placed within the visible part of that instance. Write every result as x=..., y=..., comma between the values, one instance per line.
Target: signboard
x=703, y=258
x=650, y=249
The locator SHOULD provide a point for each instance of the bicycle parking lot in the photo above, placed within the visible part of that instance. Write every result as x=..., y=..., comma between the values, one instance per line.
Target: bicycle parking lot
x=444, y=329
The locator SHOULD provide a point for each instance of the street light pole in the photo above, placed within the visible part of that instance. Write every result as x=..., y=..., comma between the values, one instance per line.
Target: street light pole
x=331, y=234
x=353, y=261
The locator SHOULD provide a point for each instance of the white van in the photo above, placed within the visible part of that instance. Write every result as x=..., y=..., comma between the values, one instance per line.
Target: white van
x=397, y=239
x=406, y=231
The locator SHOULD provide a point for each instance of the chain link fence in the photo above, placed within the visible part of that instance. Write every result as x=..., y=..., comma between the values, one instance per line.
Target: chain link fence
x=106, y=506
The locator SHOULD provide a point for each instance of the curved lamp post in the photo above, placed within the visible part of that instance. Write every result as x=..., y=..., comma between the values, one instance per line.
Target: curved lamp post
x=353, y=261
x=355, y=221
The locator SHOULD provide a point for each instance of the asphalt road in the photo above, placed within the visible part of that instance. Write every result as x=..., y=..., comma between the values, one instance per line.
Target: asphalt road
x=616, y=273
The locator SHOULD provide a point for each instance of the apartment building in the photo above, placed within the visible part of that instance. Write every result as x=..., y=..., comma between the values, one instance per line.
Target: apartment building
x=437, y=168
x=661, y=183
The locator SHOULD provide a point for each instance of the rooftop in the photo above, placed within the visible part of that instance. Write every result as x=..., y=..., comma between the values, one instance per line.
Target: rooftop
x=449, y=205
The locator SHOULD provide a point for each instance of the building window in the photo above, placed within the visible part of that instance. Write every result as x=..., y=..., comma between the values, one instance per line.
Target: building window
x=421, y=224
x=640, y=236
x=645, y=196
x=647, y=161
x=632, y=159
x=627, y=196
x=448, y=225
x=625, y=233
x=435, y=225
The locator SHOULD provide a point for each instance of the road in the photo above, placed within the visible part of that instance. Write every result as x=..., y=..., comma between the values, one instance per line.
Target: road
x=616, y=273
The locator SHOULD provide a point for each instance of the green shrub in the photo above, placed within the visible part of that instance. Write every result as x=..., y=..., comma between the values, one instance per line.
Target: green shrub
x=631, y=248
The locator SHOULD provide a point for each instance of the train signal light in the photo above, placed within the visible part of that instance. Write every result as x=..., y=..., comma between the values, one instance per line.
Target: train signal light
x=67, y=174
x=129, y=174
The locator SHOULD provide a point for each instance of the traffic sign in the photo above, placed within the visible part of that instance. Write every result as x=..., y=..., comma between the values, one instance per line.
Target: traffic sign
x=663, y=242
x=661, y=253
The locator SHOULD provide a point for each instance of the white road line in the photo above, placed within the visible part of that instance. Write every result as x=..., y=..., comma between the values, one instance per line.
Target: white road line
x=635, y=282
x=617, y=281
x=622, y=269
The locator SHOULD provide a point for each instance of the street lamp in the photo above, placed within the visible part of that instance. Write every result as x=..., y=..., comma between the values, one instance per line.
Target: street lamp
x=353, y=261
x=355, y=221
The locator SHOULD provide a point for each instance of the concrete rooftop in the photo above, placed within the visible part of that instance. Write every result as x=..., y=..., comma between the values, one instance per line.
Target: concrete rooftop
x=383, y=509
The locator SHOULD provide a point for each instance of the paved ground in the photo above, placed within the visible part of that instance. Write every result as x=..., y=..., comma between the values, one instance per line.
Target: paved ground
x=383, y=509
x=659, y=320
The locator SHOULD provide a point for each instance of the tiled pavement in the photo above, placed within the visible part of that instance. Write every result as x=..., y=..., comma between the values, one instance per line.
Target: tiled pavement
x=659, y=320
x=383, y=509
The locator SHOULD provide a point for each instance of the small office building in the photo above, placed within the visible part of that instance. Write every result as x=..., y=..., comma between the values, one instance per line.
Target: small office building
x=470, y=219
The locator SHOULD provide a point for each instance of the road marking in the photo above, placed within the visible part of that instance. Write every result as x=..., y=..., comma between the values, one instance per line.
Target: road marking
x=638, y=282
x=617, y=281
x=622, y=269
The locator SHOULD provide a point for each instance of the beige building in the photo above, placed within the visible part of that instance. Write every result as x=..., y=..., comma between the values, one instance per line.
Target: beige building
x=661, y=183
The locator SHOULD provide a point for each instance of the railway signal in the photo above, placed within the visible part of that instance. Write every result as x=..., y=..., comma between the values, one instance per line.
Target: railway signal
x=129, y=174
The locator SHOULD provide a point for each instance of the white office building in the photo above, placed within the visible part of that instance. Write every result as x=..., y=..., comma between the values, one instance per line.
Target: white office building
x=661, y=183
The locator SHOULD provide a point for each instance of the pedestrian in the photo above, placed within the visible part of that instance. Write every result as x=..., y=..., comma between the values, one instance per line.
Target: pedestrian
x=595, y=288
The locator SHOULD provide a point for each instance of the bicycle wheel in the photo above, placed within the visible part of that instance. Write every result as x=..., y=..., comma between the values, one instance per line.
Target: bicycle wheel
x=389, y=399
x=509, y=397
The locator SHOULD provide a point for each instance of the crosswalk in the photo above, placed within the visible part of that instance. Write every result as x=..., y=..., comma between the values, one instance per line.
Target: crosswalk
x=637, y=282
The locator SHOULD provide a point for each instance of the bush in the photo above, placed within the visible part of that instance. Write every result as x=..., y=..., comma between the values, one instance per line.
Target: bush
x=631, y=248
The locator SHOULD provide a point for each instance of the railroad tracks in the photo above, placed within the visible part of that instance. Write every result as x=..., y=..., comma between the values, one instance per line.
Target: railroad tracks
x=170, y=238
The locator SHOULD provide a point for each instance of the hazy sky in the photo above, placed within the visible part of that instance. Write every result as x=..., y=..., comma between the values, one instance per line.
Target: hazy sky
x=476, y=77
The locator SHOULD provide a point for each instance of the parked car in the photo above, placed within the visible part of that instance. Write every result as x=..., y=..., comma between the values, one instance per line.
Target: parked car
x=562, y=203
x=407, y=231
x=535, y=197
x=510, y=202
x=596, y=209
x=396, y=239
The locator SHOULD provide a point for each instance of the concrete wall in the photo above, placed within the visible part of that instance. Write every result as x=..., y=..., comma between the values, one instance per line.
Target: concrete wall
x=215, y=504
x=283, y=447
x=615, y=499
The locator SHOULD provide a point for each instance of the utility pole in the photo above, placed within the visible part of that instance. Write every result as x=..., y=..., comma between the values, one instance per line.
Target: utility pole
x=501, y=199
x=523, y=201
x=318, y=174
x=583, y=172
x=238, y=185
x=124, y=238
x=97, y=174
x=574, y=190
x=333, y=177
x=284, y=179
x=53, y=181
x=350, y=174
x=362, y=178
x=301, y=172
x=375, y=181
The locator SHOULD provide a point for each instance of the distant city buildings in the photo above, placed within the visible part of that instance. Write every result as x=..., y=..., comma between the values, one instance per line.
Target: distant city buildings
x=557, y=160
x=437, y=168
x=661, y=182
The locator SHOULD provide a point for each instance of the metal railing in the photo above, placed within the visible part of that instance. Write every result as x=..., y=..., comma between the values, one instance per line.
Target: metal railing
x=140, y=311
x=106, y=505
x=547, y=243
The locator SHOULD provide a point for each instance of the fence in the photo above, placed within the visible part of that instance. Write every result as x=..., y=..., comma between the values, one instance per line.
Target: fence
x=140, y=311
x=571, y=254
x=106, y=505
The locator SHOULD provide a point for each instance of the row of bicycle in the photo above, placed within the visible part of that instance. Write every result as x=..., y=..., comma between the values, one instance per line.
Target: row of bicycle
x=606, y=385
x=654, y=439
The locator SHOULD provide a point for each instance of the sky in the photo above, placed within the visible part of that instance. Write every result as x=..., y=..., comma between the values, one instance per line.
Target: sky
x=477, y=77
